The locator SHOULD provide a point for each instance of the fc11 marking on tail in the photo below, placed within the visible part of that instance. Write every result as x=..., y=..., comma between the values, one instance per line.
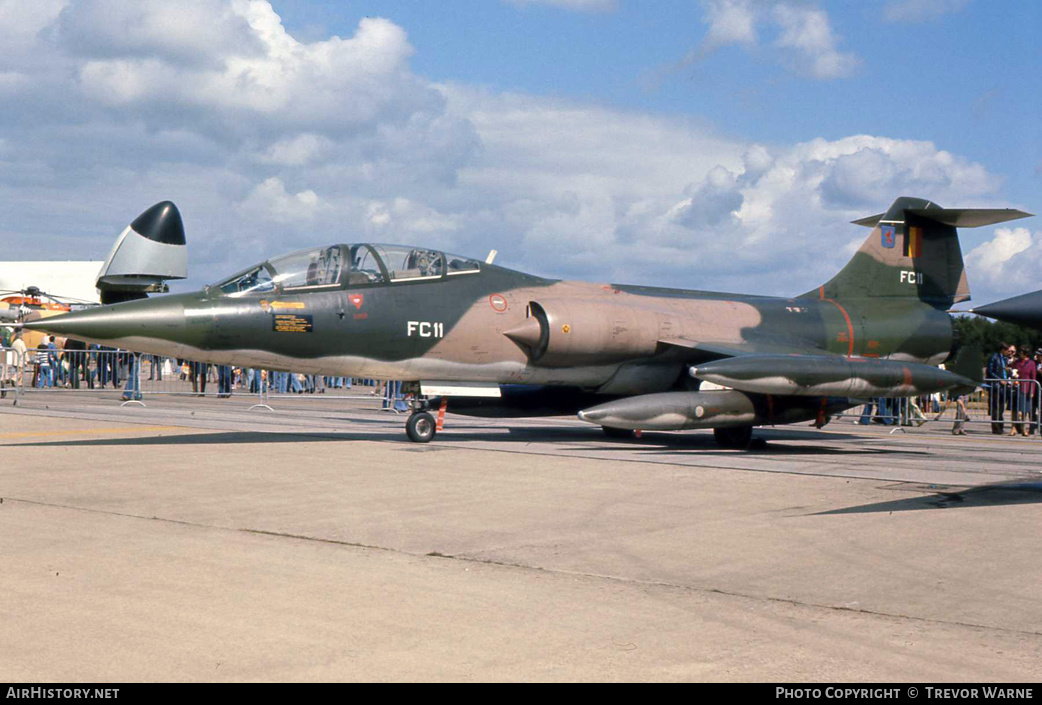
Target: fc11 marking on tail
x=618, y=354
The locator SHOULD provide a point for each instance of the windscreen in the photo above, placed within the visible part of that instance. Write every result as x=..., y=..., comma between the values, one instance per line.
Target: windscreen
x=254, y=280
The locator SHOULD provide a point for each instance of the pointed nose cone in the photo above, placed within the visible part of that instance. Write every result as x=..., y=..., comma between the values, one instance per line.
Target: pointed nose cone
x=161, y=223
x=1024, y=310
x=126, y=324
x=527, y=334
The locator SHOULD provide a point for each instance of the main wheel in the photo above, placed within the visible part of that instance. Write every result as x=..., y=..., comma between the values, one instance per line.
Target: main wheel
x=734, y=436
x=420, y=428
x=619, y=434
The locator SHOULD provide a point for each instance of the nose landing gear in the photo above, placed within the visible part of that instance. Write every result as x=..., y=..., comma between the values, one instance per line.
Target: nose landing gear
x=421, y=427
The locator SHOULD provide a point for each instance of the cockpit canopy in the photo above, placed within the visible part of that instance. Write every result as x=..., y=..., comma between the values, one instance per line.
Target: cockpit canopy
x=347, y=266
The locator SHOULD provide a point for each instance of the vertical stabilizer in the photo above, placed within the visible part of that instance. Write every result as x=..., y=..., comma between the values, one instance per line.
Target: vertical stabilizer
x=912, y=252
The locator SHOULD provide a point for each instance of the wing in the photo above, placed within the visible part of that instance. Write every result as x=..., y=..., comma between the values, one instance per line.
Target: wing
x=709, y=350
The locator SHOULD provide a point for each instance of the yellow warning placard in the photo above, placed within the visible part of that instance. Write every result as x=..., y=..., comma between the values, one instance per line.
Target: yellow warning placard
x=291, y=323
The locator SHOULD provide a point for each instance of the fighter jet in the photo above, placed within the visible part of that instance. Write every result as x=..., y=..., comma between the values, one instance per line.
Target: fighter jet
x=482, y=339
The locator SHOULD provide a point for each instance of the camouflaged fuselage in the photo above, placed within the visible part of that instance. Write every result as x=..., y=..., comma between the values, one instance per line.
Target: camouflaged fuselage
x=616, y=339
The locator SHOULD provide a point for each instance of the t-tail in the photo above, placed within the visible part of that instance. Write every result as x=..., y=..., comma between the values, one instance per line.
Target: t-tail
x=912, y=252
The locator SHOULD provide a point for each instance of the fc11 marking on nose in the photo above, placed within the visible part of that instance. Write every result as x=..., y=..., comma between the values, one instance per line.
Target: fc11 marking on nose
x=426, y=329
x=911, y=277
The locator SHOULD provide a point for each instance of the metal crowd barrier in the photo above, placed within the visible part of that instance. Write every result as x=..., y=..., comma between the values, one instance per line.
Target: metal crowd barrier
x=11, y=364
x=137, y=376
x=993, y=403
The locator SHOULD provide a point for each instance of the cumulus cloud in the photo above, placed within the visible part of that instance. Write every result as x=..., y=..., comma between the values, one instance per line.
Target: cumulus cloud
x=729, y=22
x=186, y=33
x=716, y=199
x=808, y=33
x=1008, y=263
x=793, y=205
x=805, y=39
x=869, y=169
x=269, y=78
x=271, y=200
x=297, y=150
x=21, y=23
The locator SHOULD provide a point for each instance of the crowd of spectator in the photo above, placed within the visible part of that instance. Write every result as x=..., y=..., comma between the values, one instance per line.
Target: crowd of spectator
x=68, y=363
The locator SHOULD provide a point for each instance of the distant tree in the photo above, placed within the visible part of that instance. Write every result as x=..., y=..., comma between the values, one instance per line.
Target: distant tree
x=989, y=334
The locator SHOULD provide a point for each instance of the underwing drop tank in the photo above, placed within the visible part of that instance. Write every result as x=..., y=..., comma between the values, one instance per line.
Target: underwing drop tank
x=679, y=411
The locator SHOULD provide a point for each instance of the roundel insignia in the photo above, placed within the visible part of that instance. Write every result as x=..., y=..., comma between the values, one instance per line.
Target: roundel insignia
x=498, y=302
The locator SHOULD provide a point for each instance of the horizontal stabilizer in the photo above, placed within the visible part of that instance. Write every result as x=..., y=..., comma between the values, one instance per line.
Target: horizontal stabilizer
x=955, y=217
x=869, y=222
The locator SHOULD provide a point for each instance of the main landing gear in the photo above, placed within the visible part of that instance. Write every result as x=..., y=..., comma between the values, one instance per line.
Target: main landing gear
x=740, y=437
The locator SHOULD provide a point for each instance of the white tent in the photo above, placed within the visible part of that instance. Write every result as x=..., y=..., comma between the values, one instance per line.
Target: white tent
x=71, y=282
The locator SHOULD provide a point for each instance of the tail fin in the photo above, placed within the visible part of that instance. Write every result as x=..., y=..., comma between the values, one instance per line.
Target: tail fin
x=913, y=252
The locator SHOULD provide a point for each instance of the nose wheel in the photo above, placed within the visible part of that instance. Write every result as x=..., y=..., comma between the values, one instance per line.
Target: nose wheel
x=421, y=427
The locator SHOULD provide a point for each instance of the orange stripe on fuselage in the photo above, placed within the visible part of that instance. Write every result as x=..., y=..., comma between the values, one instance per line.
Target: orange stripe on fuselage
x=850, y=326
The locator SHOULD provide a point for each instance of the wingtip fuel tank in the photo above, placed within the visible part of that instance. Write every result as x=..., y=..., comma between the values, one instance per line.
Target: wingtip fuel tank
x=1023, y=310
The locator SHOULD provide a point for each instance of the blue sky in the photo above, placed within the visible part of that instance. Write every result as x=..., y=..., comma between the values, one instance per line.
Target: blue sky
x=718, y=144
x=964, y=75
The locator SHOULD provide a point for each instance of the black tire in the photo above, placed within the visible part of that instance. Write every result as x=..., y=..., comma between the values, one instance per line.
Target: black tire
x=618, y=434
x=421, y=427
x=740, y=437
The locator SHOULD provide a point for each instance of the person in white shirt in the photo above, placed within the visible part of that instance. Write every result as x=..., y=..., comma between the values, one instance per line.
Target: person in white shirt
x=16, y=360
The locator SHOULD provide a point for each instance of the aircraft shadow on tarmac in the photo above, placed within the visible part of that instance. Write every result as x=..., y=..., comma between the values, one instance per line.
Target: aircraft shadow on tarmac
x=224, y=437
x=590, y=439
x=701, y=442
x=993, y=495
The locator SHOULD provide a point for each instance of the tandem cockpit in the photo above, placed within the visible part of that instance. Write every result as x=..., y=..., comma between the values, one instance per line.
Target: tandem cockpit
x=346, y=266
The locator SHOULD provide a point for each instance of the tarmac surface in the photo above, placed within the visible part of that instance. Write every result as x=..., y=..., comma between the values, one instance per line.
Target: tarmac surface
x=195, y=539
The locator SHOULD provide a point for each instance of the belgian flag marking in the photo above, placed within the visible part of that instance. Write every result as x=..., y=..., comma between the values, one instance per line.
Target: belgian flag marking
x=913, y=242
